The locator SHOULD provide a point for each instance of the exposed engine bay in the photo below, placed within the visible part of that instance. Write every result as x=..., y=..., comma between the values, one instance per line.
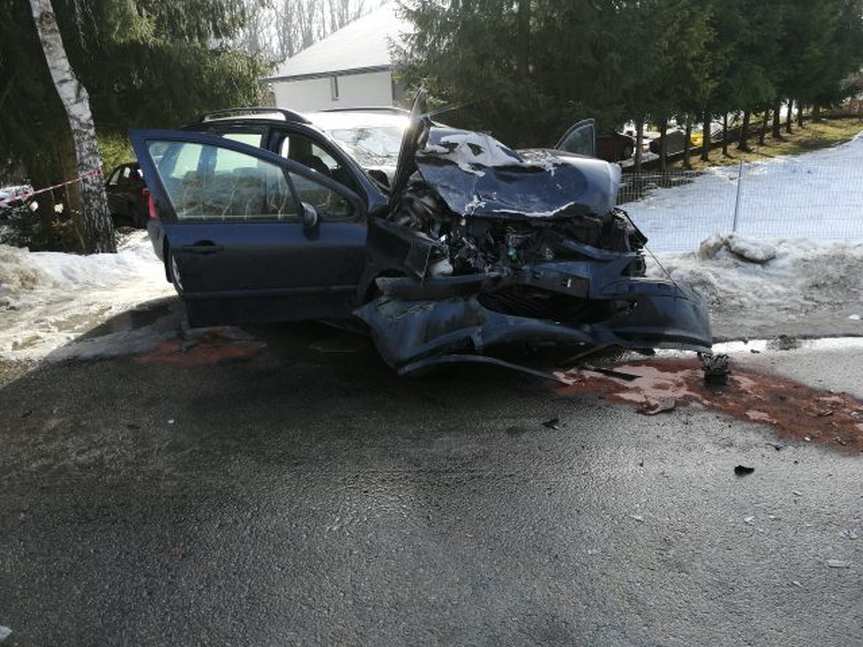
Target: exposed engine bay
x=484, y=248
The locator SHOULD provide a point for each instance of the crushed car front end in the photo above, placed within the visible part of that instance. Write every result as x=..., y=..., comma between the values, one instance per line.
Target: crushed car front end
x=485, y=250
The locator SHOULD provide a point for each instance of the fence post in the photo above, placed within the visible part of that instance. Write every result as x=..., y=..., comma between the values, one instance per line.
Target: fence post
x=737, y=200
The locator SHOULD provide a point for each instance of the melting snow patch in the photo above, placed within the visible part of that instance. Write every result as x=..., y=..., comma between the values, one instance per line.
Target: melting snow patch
x=48, y=299
x=794, y=277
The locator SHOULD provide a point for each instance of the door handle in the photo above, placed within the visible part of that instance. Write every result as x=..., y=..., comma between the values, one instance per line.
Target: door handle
x=202, y=248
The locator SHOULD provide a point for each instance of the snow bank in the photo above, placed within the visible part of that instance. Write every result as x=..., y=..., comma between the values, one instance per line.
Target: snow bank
x=48, y=299
x=801, y=277
x=818, y=196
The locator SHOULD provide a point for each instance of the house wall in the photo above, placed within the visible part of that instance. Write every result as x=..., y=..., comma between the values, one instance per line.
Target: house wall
x=371, y=89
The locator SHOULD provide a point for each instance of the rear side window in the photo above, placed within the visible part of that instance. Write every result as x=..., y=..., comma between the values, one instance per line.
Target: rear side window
x=209, y=183
x=251, y=139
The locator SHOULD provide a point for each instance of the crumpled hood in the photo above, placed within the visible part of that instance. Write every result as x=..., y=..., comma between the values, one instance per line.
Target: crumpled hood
x=476, y=175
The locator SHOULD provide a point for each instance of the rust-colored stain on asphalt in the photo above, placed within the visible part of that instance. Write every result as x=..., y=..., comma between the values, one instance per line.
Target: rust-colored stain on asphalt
x=796, y=411
x=213, y=348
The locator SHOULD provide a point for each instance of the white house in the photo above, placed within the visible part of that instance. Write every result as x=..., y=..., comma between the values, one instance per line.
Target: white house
x=350, y=68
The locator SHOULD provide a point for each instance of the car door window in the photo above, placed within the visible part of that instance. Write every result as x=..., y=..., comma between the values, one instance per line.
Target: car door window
x=331, y=207
x=580, y=141
x=209, y=183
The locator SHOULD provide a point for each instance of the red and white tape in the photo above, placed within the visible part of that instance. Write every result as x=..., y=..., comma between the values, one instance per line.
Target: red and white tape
x=26, y=195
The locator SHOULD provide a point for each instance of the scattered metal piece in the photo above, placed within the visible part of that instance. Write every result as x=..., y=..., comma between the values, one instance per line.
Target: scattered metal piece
x=838, y=563
x=654, y=407
x=785, y=342
x=716, y=369
x=742, y=470
x=850, y=533
x=808, y=439
x=777, y=446
x=797, y=584
x=554, y=423
x=749, y=520
x=796, y=493
x=608, y=372
x=637, y=517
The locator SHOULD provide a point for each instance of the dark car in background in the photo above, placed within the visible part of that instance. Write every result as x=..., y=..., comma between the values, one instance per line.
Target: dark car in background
x=127, y=196
x=675, y=143
x=467, y=250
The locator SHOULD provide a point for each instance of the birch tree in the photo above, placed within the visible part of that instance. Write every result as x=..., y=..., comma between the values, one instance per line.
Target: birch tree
x=94, y=222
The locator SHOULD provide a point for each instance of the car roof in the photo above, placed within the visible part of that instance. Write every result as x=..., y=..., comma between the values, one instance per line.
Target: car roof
x=336, y=119
x=330, y=119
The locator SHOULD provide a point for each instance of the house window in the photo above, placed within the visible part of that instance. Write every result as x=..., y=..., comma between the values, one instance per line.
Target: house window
x=334, y=88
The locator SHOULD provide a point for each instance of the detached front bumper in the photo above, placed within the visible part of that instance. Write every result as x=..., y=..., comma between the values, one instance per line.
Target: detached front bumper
x=412, y=332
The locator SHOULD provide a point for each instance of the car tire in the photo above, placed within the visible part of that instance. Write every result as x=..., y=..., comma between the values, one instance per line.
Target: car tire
x=172, y=271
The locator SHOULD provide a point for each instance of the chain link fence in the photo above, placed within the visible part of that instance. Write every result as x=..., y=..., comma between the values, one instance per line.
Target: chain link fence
x=818, y=196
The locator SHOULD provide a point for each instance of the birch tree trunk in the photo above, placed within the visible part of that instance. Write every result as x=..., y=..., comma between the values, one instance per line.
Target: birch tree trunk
x=94, y=222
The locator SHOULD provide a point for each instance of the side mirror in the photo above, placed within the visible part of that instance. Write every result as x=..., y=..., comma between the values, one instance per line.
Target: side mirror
x=311, y=219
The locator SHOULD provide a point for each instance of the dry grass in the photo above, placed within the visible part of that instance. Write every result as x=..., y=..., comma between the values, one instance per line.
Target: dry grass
x=812, y=137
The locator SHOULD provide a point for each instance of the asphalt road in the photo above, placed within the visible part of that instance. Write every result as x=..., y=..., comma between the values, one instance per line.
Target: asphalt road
x=289, y=494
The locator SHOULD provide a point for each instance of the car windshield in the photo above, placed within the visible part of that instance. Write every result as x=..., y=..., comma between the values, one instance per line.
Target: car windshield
x=371, y=137
x=371, y=145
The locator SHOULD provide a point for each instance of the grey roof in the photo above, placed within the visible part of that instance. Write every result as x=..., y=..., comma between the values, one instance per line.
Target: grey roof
x=361, y=45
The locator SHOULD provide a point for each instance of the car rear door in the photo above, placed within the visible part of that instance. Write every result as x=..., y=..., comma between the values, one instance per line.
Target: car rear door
x=579, y=139
x=238, y=246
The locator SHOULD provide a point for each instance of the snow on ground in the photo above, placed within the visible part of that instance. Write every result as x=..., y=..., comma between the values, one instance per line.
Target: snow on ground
x=48, y=298
x=816, y=195
x=803, y=278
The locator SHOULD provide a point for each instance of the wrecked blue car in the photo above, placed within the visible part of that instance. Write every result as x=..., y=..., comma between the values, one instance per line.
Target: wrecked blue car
x=464, y=251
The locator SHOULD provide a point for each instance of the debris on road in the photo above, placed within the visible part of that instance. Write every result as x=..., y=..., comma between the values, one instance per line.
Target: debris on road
x=215, y=346
x=838, y=563
x=785, y=342
x=855, y=317
x=637, y=517
x=750, y=521
x=850, y=533
x=742, y=470
x=797, y=584
x=796, y=493
x=751, y=395
x=716, y=368
x=554, y=424
x=629, y=377
x=654, y=407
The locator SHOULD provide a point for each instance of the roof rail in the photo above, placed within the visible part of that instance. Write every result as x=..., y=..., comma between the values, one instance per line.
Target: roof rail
x=289, y=115
x=392, y=109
